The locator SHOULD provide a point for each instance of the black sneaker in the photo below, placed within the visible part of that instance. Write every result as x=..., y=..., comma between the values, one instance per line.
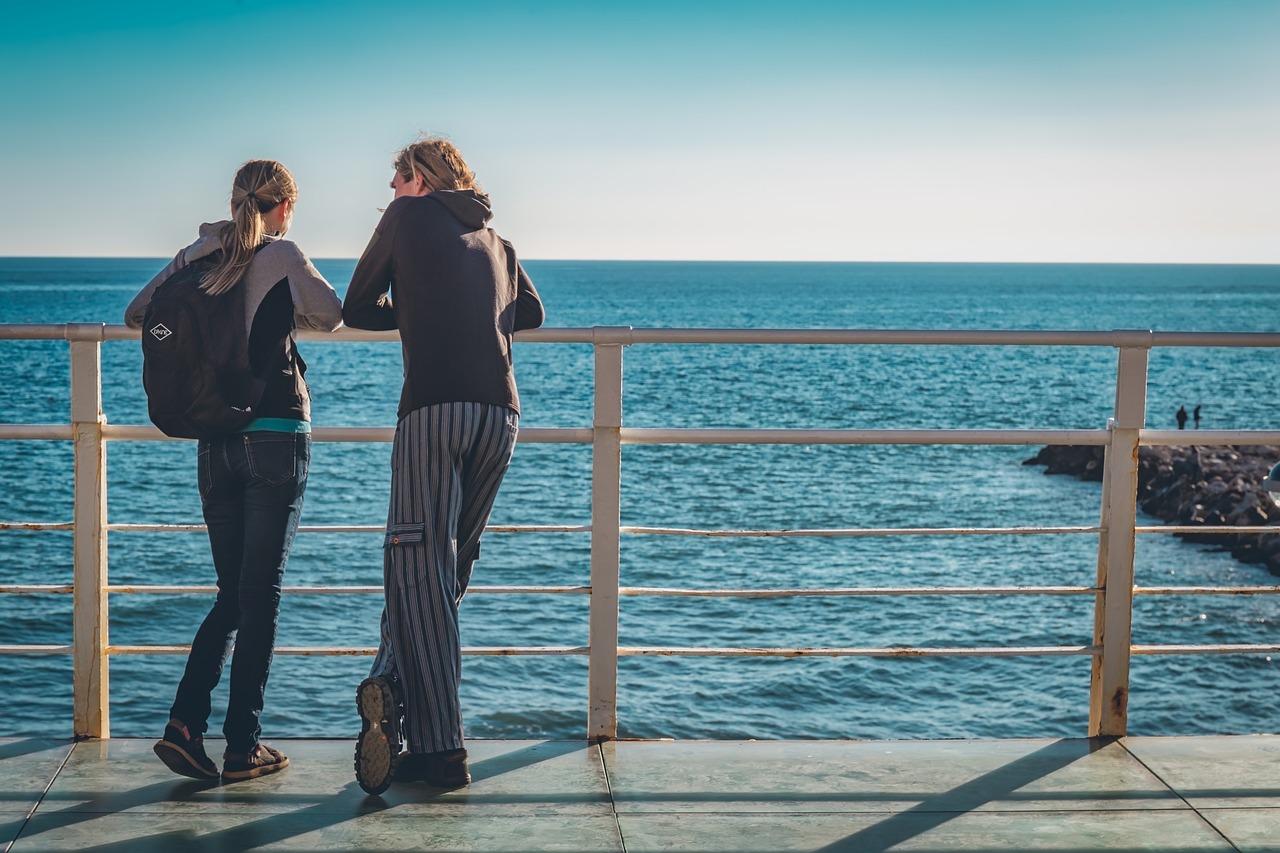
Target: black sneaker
x=438, y=769
x=379, y=741
x=259, y=761
x=184, y=754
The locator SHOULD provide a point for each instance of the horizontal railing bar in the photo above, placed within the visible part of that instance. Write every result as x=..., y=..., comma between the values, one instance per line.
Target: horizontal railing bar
x=118, y=332
x=1140, y=338
x=502, y=651
x=1217, y=528
x=36, y=331
x=153, y=589
x=663, y=651
x=156, y=589
x=684, y=532
x=903, y=651
x=1205, y=590
x=182, y=650
x=1206, y=437
x=642, y=435
x=1115, y=338
x=36, y=432
x=1214, y=339
x=363, y=435
x=346, y=333
x=639, y=435
x=967, y=337
x=645, y=435
x=125, y=527
x=1213, y=649
x=358, y=651
x=527, y=435
x=713, y=652
x=349, y=528
x=37, y=589
x=858, y=531
x=854, y=591
x=671, y=651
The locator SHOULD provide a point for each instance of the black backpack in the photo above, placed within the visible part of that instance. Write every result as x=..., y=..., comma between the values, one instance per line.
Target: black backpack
x=195, y=357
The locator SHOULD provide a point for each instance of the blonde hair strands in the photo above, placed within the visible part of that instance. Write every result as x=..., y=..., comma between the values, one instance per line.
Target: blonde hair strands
x=258, y=187
x=438, y=162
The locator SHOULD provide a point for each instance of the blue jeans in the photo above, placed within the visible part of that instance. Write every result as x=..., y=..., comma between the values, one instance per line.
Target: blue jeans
x=251, y=488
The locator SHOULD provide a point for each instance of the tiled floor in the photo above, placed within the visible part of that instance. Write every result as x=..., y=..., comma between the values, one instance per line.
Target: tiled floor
x=1164, y=794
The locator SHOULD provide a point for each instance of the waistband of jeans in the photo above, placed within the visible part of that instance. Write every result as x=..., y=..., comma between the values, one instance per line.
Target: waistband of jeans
x=277, y=425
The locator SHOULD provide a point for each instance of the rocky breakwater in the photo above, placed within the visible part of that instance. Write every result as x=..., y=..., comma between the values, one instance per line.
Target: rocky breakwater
x=1210, y=486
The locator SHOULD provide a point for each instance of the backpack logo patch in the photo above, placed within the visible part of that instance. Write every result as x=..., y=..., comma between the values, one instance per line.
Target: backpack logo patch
x=159, y=331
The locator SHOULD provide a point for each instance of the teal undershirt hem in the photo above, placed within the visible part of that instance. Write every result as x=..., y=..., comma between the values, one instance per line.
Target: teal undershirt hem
x=277, y=425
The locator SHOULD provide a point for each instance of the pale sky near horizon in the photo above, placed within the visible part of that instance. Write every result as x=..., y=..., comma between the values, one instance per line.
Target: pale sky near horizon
x=900, y=130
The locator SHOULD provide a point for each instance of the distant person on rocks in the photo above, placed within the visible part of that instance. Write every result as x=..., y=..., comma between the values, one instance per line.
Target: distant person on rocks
x=252, y=482
x=456, y=291
x=1182, y=417
x=1196, y=415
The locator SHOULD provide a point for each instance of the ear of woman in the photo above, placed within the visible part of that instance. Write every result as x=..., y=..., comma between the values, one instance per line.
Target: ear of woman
x=279, y=218
x=415, y=187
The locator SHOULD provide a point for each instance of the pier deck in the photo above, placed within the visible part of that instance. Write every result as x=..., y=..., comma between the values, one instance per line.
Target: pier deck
x=1137, y=793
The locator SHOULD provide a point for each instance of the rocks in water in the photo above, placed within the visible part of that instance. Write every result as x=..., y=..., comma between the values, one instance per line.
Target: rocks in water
x=1194, y=485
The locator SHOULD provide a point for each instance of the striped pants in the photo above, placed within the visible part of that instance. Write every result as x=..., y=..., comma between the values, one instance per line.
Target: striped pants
x=447, y=463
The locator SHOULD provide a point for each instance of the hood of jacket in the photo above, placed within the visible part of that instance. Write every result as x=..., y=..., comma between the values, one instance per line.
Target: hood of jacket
x=467, y=206
x=210, y=240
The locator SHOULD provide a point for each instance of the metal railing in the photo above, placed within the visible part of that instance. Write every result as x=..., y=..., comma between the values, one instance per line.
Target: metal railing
x=1110, y=650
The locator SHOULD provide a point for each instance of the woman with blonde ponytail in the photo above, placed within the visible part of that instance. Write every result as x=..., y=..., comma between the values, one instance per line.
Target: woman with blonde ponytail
x=251, y=482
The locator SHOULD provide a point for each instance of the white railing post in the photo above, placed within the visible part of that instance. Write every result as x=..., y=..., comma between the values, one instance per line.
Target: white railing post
x=1113, y=612
x=606, y=512
x=89, y=644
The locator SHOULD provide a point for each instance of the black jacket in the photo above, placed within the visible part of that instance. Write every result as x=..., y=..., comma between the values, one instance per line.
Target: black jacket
x=457, y=294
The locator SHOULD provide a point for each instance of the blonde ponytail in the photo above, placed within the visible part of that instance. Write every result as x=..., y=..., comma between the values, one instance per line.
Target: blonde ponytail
x=258, y=187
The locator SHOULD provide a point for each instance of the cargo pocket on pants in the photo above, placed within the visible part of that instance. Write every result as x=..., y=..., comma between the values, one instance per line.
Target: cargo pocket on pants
x=404, y=555
x=414, y=533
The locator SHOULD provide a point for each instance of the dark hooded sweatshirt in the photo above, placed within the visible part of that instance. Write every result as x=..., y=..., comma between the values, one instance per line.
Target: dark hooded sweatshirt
x=457, y=294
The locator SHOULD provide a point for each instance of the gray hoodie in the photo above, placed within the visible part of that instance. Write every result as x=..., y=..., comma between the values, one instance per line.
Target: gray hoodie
x=283, y=291
x=315, y=304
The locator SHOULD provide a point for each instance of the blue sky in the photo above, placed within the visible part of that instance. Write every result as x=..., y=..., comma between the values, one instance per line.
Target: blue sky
x=935, y=130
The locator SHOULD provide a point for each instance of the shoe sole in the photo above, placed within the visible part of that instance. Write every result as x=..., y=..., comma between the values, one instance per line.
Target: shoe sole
x=180, y=761
x=379, y=740
x=255, y=772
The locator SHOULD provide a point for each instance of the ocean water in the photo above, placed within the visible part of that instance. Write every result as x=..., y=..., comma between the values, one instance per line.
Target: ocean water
x=699, y=486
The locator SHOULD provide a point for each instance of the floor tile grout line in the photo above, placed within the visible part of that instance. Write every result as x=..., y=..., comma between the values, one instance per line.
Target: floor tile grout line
x=40, y=799
x=613, y=804
x=1176, y=793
